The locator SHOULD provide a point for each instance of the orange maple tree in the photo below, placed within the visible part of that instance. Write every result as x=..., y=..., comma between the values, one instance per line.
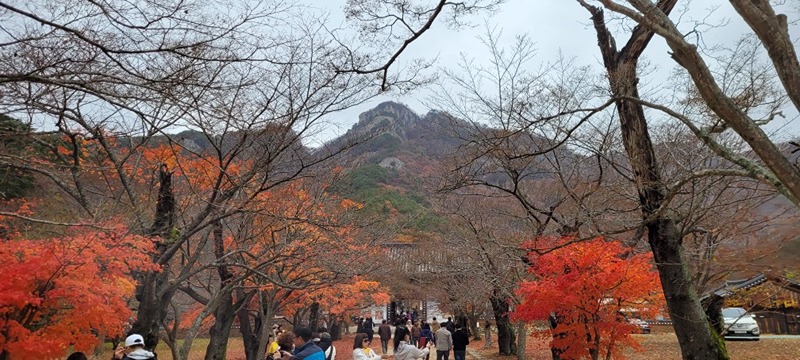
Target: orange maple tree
x=66, y=291
x=588, y=289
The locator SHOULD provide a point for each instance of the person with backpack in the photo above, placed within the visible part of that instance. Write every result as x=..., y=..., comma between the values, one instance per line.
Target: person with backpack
x=325, y=342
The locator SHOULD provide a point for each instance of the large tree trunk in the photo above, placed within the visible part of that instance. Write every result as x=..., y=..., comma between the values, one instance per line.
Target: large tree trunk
x=224, y=313
x=522, y=336
x=696, y=338
x=785, y=175
x=336, y=327
x=250, y=327
x=153, y=301
x=553, y=320
x=313, y=316
x=505, y=333
x=472, y=325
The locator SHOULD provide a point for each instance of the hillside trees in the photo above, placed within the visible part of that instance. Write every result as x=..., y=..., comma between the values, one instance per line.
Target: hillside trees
x=106, y=84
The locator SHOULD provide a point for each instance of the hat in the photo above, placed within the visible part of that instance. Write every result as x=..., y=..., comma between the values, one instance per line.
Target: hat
x=134, y=339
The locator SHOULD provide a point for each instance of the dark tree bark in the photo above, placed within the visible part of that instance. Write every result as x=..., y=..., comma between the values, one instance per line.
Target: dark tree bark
x=713, y=306
x=553, y=321
x=506, y=341
x=250, y=327
x=336, y=328
x=313, y=316
x=153, y=301
x=224, y=314
x=696, y=338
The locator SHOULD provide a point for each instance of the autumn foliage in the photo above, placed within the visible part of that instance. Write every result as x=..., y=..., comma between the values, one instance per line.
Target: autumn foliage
x=65, y=291
x=590, y=287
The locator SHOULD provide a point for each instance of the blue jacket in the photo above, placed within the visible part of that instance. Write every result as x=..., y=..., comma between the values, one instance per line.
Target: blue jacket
x=308, y=351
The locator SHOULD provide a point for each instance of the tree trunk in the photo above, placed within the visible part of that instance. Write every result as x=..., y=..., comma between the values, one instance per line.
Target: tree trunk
x=153, y=303
x=224, y=314
x=313, y=316
x=522, y=336
x=250, y=328
x=553, y=321
x=713, y=308
x=696, y=338
x=505, y=333
x=336, y=328
x=220, y=331
x=472, y=325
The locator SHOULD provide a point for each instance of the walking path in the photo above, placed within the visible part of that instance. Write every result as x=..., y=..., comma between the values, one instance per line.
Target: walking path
x=475, y=354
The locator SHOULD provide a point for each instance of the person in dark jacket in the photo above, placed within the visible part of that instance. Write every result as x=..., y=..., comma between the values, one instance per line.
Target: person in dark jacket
x=451, y=326
x=369, y=328
x=460, y=342
x=385, y=333
x=400, y=331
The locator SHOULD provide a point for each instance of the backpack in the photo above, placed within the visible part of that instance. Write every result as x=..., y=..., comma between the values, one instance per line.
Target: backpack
x=324, y=343
x=330, y=352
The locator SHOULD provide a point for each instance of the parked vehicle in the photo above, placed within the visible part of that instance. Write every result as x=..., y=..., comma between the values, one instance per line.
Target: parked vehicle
x=644, y=327
x=739, y=324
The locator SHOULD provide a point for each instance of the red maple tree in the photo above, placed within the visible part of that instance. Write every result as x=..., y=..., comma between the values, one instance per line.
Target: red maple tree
x=66, y=291
x=589, y=290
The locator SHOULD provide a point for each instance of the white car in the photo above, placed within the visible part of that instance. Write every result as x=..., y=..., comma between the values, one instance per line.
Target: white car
x=739, y=324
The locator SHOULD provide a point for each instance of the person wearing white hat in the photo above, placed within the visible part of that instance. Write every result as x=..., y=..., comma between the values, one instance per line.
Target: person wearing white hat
x=133, y=350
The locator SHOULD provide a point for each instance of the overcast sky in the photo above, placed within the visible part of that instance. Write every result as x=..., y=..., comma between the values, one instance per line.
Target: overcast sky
x=554, y=25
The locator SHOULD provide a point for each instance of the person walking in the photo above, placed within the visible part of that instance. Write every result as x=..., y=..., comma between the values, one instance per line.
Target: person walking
x=444, y=342
x=385, y=334
x=416, y=331
x=451, y=326
x=434, y=325
x=369, y=328
x=460, y=342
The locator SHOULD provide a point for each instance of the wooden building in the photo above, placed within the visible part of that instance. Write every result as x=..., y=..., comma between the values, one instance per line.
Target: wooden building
x=774, y=300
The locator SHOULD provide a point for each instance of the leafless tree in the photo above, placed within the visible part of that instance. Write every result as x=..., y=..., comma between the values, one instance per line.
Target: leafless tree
x=105, y=81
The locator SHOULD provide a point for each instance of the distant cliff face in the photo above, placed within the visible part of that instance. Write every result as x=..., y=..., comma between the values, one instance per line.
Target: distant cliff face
x=397, y=131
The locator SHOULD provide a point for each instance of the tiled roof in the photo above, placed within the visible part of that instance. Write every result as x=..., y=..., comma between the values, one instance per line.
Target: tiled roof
x=731, y=286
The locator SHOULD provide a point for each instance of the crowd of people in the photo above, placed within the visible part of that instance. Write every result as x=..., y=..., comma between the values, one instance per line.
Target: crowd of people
x=413, y=340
